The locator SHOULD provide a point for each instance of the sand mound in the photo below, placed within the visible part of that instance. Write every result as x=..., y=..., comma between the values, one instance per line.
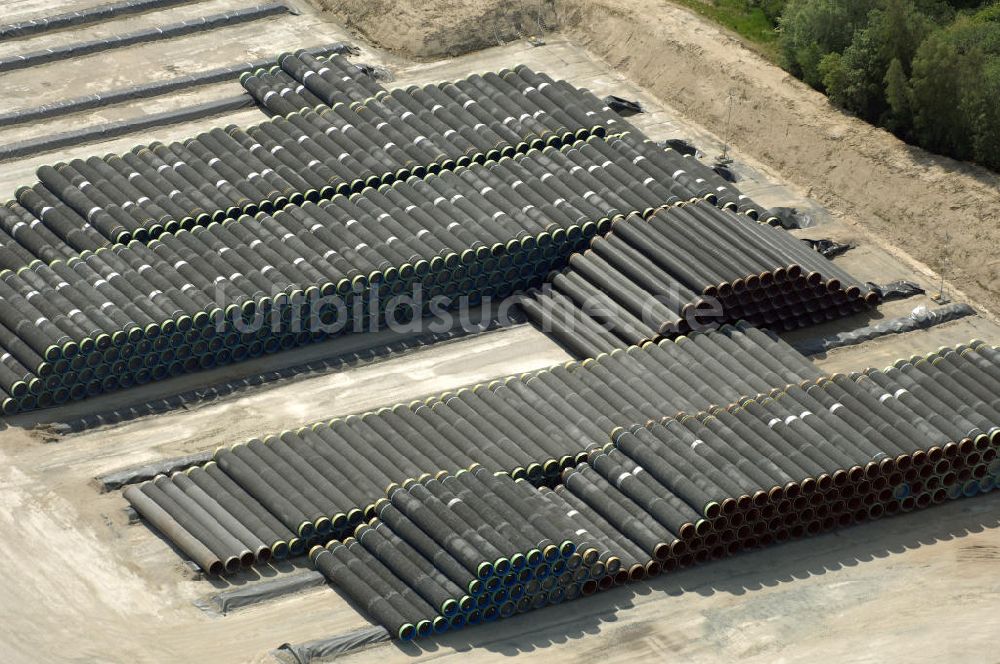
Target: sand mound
x=440, y=28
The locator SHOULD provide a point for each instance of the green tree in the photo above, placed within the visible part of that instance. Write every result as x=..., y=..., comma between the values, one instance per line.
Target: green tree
x=897, y=94
x=956, y=88
x=810, y=29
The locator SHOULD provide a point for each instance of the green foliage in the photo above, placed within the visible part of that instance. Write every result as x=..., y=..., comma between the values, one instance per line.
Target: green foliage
x=897, y=94
x=927, y=70
x=810, y=29
x=956, y=88
x=754, y=20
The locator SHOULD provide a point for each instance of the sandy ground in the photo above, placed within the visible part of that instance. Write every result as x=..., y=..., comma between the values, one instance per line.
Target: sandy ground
x=83, y=585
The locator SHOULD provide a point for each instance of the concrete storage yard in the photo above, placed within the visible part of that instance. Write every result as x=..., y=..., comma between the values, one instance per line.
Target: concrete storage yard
x=83, y=582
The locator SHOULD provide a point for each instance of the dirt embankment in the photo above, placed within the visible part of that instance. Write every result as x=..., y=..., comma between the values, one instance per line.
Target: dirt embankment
x=428, y=29
x=941, y=212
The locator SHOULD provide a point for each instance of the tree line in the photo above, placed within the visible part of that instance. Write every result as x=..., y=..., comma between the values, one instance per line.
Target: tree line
x=926, y=70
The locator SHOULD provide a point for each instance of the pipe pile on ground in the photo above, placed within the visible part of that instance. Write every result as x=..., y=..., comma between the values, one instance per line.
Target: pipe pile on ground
x=658, y=277
x=323, y=480
x=225, y=292
x=305, y=156
x=456, y=550
x=814, y=455
x=303, y=80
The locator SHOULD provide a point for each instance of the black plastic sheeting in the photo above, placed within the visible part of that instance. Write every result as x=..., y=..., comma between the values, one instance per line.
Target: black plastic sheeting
x=920, y=319
x=42, y=24
x=147, y=471
x=144, y=90
x=623, y=107
x=792, y=218
x=680, y=145
x=335, y=646
x=725, y=172
x=111, y=129
x=237, y=598
x=200, y=24
x=896, y=290
x=375, y=71
x=828, y=248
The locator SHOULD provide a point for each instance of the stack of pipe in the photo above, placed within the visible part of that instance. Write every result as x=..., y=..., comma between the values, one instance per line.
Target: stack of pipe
x=449, y=549
x=327, y=478
x=686, y=169
x=308, y=155
x=231, y=291
x=303, y=80
x=808, y=452
x=686, y=267
x=462, y=549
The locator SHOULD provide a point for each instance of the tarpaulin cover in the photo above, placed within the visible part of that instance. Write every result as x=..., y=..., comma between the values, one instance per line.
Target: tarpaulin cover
x=42, y=24
x=724, y=172
x=623, y=106
x=147, y=471
x=141, y=36
x=111, y=129
x=236, y=598
x=896, y=290
x=334, y=646
x=828, y=248
x=919, y=319
x=792, y=218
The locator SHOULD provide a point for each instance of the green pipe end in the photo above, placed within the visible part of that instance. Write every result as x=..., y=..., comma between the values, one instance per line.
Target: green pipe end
x=279, y=550
x=52, y=353
x=475, y=587
x=449, y=607
x=87, y=345
x=406, y=632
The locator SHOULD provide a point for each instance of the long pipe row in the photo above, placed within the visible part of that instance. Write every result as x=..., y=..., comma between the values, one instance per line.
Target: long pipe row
x=687, y=266
x=324, y=480
x=446, y=550
x=683, y=491
x=337, y=82
x=308, y=155
x=687, y=169
x=131, y=314
x=881, y=441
